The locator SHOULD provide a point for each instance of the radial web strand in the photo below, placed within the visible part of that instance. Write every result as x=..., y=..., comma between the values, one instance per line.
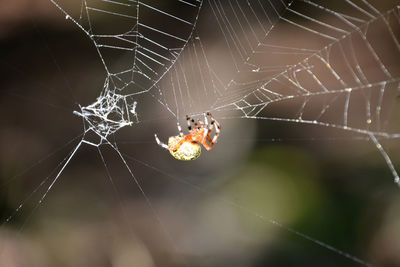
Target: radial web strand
x=340, y=71
x=329, y=65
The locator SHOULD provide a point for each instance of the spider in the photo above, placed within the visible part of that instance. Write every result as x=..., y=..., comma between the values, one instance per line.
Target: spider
x=187, y=147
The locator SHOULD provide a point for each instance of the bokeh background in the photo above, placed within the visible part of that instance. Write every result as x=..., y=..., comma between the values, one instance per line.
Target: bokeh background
x=216, y=211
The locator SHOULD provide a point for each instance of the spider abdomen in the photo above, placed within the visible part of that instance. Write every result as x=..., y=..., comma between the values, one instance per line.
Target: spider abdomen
x=182, y=149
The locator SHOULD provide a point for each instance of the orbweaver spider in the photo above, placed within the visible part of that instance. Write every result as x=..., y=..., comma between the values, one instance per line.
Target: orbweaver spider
x=187, y=147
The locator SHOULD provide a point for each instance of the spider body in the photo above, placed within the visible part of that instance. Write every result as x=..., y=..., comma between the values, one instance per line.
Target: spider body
x=183, y=149
x=187, y=147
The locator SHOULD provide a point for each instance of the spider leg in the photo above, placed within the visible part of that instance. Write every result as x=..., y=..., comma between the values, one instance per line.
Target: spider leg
x=207, y=138
x=160, y=143
x=206, y=130
x=207, y=146
x=209, y=125
x=191, y=121
x=205, y=119
x=217, y=127
x=179, y=129
x=178, y=145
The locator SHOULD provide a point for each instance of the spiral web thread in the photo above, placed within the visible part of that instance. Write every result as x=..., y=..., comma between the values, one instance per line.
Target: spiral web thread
x=344, y=67
x=338, y=70
x=141, y=31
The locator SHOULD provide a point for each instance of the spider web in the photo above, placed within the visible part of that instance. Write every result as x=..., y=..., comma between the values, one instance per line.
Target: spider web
x=152, y=38
x=342, y=72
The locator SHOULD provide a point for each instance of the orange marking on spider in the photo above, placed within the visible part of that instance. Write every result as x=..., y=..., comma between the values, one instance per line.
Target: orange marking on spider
x=187, y=147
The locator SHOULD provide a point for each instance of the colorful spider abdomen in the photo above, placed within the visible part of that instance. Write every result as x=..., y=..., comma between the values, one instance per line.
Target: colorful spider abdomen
x=182, y=149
